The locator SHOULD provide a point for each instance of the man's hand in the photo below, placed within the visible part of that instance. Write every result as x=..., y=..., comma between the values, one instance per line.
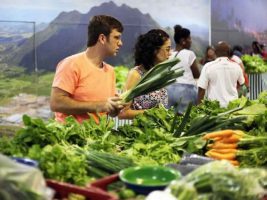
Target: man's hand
x=114, y=105
x=243, y=90
x=201, y=94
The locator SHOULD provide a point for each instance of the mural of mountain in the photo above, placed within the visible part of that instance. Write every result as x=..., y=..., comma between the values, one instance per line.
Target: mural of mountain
x=222, y=31
x=230, y=23
x=67, y=34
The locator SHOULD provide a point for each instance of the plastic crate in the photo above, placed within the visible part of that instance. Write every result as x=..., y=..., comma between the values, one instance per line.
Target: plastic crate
x=63, y=190
x=104, y=182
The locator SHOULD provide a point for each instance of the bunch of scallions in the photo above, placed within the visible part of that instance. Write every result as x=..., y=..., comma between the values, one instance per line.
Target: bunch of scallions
x=157, y=77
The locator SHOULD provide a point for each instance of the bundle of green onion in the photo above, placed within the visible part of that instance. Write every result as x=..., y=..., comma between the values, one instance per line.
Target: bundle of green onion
x=156, y=78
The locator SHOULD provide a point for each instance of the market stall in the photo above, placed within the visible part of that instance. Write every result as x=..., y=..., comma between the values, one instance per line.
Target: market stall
x=80, y=154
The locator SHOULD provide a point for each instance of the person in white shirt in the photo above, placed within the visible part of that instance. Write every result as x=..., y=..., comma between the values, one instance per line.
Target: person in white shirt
x=184, y=90
x=236, y=55
x=219, y=78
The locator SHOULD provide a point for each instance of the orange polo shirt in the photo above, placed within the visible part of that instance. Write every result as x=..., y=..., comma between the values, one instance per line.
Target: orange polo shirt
x=77, y=76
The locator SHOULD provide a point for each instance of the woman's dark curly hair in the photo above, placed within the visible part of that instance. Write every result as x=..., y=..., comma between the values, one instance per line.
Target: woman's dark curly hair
x=147, y=45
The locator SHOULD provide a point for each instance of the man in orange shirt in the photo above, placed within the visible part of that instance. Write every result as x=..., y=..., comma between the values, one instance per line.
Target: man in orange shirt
x=84, y=85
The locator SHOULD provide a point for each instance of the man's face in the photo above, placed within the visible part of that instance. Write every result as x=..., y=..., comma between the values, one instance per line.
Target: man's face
x=114, y=42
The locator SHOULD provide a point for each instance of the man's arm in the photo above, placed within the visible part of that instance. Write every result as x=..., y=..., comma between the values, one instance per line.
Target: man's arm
x=201, y=94
x=128, y=113
x=195, y=70
x=62, y=102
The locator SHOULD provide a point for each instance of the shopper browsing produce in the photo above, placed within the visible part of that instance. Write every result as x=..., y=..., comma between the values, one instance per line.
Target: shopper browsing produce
x=84, y=84
x=256, y=49
x=184, y=90
x=236, y=54
x=209, y=55
x=151, y=48
x=219, y=78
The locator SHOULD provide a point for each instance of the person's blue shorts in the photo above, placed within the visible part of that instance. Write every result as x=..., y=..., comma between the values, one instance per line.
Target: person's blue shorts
x=181, y=94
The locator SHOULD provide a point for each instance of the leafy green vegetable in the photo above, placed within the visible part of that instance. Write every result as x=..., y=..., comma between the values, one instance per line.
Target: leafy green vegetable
x=108, y=162
x=61, y=163
x=207, y=107
x=254, y=64
x=154, y=118
x=262, y=98
x=156, y=78
x=182, y=125
x=240, y=102
x=62, y=149
x=255, y=157
x=121, y=75
x=207, y=123
x=149, y=140
x=220, y=180
x=259, y=125
x=251, y=112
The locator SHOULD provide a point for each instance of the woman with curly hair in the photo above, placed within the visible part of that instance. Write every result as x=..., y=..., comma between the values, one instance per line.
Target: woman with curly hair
x=151, y=48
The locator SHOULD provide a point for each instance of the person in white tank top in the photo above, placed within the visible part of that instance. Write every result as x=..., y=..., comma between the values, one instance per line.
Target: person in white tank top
x=184, y=90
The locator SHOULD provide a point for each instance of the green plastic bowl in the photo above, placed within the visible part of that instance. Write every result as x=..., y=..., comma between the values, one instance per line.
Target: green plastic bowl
x=146, y=179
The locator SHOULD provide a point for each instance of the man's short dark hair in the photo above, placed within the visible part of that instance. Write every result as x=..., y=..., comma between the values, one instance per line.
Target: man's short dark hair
x=102, y=24
x=223, y=49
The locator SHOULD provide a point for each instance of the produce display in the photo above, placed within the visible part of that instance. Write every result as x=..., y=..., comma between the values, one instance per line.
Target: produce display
x=81, y=153
x=235, y=146
x=221, y=180
x=254, y=64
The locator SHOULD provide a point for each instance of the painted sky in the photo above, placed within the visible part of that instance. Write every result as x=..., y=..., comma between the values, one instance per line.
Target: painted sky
x=165, y=12
x=252, y=13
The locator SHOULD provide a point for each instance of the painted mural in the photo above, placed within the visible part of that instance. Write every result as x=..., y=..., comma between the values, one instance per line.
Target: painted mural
x=36, y=35
x=239, y=22
x=61, y=27
x=242, y=23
